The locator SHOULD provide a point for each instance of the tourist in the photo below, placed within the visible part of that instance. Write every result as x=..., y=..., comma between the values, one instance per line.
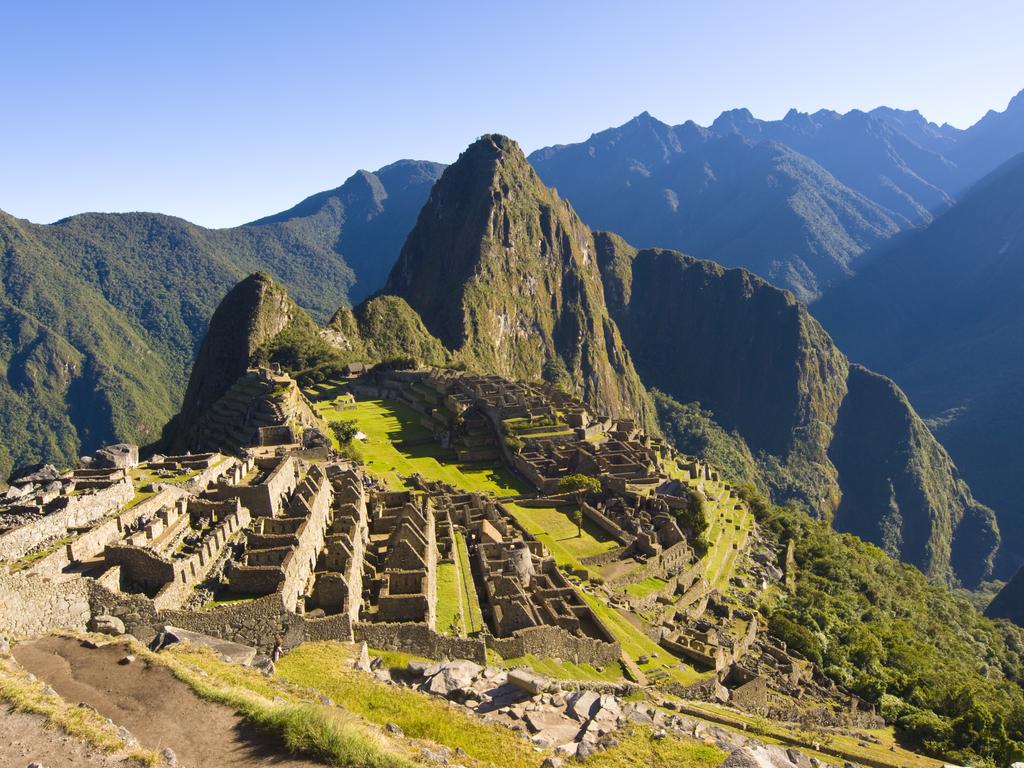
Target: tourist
x=275, y=654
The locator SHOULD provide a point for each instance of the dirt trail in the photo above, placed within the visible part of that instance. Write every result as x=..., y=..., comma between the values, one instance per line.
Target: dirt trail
x=26, y=738
x=156, y=707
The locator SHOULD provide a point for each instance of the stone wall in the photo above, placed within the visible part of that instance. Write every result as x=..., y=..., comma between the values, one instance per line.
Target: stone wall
x=68, y=512
x=419, y=639
x=554, y=642
x=31, y=605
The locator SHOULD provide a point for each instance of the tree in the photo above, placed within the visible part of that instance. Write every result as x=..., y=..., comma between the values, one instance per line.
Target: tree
x=579, y=486
x=344, y=431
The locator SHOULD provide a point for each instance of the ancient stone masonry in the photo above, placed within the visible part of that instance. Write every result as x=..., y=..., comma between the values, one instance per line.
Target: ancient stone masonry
x=281, y=550
x=52, y=509
x=262, y=407
x=401, y=559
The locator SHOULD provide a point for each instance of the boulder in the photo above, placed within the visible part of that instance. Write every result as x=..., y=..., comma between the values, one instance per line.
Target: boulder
x=583, y=704
x=528, y=680
x=362, y=662
x=35, y=474
x=757, y=756
x=118, y=456
x=231, y=652
x=106, y=624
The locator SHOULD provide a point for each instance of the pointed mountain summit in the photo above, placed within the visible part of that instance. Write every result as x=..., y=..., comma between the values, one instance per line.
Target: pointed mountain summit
x=252, y=313
x=503, y=272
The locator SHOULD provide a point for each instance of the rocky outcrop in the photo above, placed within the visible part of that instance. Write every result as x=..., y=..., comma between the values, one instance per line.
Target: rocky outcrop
x=844, y=441
x=503, y=272
x=252, y=314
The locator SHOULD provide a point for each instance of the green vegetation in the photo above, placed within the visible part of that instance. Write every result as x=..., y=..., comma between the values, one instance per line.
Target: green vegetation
x=636, y=644
x=566, y=670
x=304, y=727
x=639, y=748
x=448, y=612
x=946, y=676
x=645, y=587
x=557, y=530
x=472, y=616
x=323, y=667
x=397, y=443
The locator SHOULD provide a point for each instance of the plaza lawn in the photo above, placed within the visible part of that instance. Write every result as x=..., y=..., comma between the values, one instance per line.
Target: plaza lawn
x=555, y=528
x=398, y=444
x=645, y=587
x=458, y=607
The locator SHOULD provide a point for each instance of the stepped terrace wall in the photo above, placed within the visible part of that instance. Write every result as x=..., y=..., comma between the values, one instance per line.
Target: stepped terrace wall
x=62, y=514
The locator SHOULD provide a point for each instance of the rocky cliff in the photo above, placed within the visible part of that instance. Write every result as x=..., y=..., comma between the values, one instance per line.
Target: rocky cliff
x=841, y=439
x=503, y=272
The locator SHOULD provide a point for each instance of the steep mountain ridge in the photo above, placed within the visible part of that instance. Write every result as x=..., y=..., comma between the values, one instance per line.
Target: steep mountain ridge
x=502, y=271
x=939, y=311
x=839, y=438
x=869, y=175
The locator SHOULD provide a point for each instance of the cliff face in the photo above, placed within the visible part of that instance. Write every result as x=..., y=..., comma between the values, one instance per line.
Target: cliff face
x=250, y=315
x=1009, y=603
x=841, y=439
x=503, y=272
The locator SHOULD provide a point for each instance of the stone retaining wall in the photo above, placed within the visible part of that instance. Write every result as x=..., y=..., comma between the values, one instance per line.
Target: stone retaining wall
x=68, y=512
x=554, y=642
x=419, y=639
x=31, y=605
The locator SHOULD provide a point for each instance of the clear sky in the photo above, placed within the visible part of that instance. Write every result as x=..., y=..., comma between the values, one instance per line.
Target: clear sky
x=223, y=111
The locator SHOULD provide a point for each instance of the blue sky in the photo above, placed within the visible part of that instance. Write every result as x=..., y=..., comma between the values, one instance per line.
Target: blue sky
x=225, y=111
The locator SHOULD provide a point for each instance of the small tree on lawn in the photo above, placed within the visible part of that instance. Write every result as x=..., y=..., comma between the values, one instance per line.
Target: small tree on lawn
x=344, y=431
x=579, y=486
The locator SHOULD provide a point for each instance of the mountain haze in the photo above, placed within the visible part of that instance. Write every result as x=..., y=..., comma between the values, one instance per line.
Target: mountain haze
x=797, y=200
x=939, y=310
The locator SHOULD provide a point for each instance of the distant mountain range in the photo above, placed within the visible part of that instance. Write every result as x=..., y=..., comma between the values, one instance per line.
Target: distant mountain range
x=798, y=200
x=499, y=275
x=940, y=310
x=102, y=314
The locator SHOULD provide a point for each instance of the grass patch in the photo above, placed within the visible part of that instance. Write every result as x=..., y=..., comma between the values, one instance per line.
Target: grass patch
x=636, y=644
x=472, y=615
x=34, y=557
x=554, y=527
x=645, y=587
x=567, y=670
x=448, y=612
x=323, y=666
x=325, y=733
x=638, y=748
x=398, y=444
x=28, y=695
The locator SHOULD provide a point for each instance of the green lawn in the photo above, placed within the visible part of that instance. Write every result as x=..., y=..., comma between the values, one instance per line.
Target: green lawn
x=448, y=613
x=645, y=587
x=398, y=444
x=636, y=644
x=567, y=670
x=555, y=528
x=472, y=616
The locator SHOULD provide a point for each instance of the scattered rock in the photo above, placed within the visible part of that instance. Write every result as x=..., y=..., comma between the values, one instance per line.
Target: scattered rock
x=528, y=680
x=125, y=660
x=585, y=750
x=106, y=624
x=362, y=662
x=325, y=700
x=169, y=757
x=395, y=729
x=36, y=765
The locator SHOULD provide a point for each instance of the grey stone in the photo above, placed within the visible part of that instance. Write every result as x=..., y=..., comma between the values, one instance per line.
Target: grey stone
x=585, y=750
x=552, y=762
x=394, y=729
x=582, y=704
x=362, y=662
x=125, y=660
x=106, y=625
x=528, y=680
x=169, y=757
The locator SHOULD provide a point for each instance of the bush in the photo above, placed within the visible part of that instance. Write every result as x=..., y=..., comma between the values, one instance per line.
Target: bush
x=344, y=431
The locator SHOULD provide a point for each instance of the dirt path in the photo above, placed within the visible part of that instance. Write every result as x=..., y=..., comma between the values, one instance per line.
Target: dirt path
x=26, y=738
x=149, y=701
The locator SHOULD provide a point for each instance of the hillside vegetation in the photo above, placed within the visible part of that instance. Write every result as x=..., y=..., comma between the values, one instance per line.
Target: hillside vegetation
x=949, y=678
x=102, y=314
